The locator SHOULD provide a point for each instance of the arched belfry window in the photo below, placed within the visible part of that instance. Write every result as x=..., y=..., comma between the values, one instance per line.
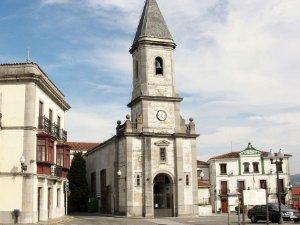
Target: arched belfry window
x=159, y=66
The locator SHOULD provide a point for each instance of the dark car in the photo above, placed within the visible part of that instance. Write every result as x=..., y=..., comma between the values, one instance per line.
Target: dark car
x=259, y=212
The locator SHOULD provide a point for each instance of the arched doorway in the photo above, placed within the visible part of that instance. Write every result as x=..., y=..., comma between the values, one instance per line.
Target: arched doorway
x=163, y=196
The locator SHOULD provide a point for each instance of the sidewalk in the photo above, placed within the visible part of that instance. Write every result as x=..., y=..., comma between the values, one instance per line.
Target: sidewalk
x=49, y=222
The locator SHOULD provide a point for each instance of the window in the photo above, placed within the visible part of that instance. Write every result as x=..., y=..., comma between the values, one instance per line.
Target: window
x=246, y=167
x=58, y=122
x=187, y=180
x=50, y=115
x=50, y=151
x=137, y=69
x=60, y=156
x=41, y=112
x=138, y=180
x=66, y=158
x=45, y=150
x=256, y=167
x=263, y=184
x=223, y=168
x=93, y=184
x=241, y=186
x=41, y=150
x=159, y=70
x=162, y=155
x=280, y=167
x=58, y=198
x=224, y=188
x=41, y=109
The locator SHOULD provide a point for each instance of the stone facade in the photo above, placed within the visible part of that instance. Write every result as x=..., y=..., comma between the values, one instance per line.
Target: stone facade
x=37, y=191
x=149, y=167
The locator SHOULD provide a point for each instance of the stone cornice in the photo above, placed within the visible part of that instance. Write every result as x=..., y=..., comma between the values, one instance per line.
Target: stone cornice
x=154, y=98
x=18, y=128
x=31, y=72
x=164, y=135
x=153, y=41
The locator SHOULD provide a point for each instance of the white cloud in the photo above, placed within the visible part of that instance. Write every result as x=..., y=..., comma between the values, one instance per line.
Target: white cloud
x=237, y=61
x=93, y=123
x=54, y=2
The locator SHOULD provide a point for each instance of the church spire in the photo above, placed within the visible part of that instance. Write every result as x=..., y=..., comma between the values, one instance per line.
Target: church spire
x=152, y=24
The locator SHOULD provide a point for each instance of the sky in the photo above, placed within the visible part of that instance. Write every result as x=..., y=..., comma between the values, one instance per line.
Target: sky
x=237, y=65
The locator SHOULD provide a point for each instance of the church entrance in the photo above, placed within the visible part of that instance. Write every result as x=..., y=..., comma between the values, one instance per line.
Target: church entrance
x=163, y=196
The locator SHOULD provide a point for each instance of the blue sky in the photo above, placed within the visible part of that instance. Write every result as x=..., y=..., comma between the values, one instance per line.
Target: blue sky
x=237, y=65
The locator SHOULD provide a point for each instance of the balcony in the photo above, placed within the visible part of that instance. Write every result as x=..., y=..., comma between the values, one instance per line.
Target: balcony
x=52, y=129
x=46, y=168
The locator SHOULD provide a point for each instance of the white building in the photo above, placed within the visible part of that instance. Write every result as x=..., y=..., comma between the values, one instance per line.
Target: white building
x=248, y=169
x=32, y=128
x=149, y=167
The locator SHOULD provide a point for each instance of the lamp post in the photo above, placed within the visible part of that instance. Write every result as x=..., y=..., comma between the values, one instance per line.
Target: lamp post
x=289, y=189
x=23, y=165
x=277, y=159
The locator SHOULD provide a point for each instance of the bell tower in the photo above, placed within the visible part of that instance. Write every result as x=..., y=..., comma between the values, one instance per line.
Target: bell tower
x=155, y=102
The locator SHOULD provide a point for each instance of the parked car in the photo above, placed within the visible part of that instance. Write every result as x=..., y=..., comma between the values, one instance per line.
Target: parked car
x=259, y=212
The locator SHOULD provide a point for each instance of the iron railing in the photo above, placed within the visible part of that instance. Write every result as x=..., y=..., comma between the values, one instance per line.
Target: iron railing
x=52, y=129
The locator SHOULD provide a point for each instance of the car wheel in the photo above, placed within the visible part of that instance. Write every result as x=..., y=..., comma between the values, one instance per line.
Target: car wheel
x=253, y=219
x=274, y=219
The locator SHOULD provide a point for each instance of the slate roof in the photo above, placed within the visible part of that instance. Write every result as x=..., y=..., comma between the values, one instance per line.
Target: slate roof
x=82, y=146
x=152, y=23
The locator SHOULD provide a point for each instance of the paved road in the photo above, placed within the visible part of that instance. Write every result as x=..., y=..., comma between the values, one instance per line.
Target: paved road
x=102, y=220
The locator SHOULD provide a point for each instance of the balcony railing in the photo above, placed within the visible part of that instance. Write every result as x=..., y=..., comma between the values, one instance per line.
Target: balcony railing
x=52, y=129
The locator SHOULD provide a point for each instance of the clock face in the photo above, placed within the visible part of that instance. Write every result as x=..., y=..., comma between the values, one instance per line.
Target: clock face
x=161, y=115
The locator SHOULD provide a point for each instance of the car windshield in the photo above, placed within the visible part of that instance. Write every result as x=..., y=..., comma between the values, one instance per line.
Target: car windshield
x=275, y=206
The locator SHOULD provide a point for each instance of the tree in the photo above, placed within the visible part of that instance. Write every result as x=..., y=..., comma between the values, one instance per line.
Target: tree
x=78, y=199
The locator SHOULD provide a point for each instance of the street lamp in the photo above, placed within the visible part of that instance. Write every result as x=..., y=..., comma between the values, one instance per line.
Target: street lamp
x=277, y=159
x=119, y=173
x=23, y=165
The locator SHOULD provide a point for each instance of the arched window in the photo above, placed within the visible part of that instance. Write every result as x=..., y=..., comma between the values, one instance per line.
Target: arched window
x=159, y=66
x=187, y=180
x=138, y=180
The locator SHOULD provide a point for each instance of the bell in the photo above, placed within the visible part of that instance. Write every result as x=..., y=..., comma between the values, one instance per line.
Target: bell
x=158, y=64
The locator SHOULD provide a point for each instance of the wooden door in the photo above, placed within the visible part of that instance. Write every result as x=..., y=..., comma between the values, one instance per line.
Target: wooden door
x=104, y=196
x=49, y=201
x=224, y=205
x=39, y=203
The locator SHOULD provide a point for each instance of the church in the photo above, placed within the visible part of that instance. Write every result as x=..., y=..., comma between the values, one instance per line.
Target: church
x=149, y=167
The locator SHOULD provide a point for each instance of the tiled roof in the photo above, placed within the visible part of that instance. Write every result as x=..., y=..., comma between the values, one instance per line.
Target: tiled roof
x=203, y=183
x=230, y=155
x=296, y=191
x=233, y=155
x=82, y=146
x=152, y=23
x=202, y=163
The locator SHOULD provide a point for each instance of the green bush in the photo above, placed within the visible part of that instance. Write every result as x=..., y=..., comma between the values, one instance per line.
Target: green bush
x=79, y=191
